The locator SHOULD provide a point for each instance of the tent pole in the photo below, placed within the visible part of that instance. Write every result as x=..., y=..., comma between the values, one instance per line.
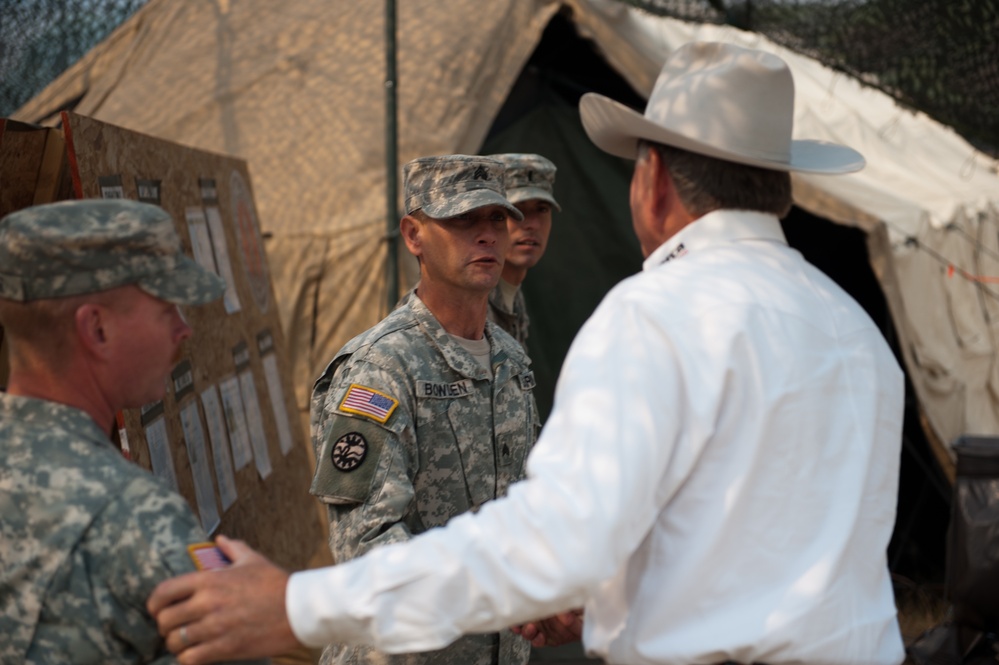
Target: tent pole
x=391, y=161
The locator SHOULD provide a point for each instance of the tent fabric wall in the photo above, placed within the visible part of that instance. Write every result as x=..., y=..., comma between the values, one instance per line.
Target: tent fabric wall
x=296, y=89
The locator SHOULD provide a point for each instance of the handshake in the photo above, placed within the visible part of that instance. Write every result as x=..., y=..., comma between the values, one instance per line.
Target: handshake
x=240, y=612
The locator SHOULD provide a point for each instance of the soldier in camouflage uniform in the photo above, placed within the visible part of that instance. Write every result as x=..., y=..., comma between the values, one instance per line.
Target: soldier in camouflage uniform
x=530, y=180
x=88, y=300
x=430, y=413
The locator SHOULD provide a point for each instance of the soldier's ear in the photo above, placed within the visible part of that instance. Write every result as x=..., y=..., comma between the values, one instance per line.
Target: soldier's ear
x=410, y=229
x=90, y=320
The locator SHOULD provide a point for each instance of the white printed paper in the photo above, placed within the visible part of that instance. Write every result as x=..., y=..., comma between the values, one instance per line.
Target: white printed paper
x=201, y=242
x=235, y=419
x=159, y=452
x=276, y=392
x=255, y=423
x=220, y=446
x=204, y=488
x=217, y=231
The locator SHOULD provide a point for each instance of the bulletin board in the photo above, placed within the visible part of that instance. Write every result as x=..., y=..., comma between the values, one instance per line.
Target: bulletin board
x=227, y=435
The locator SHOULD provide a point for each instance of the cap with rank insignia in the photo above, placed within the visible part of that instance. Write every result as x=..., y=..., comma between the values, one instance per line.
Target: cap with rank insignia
x=527, y=177
x=73, y=248
x=451, y=185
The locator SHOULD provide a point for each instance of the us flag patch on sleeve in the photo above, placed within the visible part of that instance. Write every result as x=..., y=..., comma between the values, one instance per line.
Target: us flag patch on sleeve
x=368, y=402
x=207, y=556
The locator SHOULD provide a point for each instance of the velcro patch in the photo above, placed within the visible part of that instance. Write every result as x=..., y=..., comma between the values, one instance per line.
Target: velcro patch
x=434, y=390
x=368, y=402
x=348, y=460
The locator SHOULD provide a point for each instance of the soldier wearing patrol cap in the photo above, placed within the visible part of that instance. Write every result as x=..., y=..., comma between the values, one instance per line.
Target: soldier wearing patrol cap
x=88, y=301
x=530, y=181
x=431, y=412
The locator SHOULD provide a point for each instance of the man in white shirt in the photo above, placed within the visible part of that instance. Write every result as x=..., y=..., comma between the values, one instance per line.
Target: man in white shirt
x=717, y=480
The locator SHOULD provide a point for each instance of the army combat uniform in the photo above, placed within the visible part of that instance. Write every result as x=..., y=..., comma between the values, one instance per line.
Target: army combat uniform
x=513, y=319
x=410, y=430
x=85, y=537
x=526, y=177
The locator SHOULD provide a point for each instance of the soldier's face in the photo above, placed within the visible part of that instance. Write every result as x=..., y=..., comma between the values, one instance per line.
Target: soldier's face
x=465, y=251
x=146, y=334
x=529, y=238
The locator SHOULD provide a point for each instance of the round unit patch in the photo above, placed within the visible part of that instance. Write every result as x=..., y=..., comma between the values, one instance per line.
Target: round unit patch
x=349, y=451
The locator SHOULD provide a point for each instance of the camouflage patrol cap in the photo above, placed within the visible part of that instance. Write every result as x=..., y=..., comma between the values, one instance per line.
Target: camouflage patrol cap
x=77, y=247
x=451, y=185
x=528, y=176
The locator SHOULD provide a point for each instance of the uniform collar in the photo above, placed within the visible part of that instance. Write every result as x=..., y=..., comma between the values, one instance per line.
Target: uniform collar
x=460, y=360
x=714, y=228
x=504, y=296
x=18, y=408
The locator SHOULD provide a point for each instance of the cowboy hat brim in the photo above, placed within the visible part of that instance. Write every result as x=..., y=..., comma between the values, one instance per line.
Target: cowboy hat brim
x=616, y=129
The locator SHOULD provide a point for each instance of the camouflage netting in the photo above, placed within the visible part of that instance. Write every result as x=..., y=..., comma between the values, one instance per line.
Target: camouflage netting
x=937, y=56
x=39, y=39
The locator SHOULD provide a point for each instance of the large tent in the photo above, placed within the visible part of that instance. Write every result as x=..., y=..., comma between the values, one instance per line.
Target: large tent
x=297, y=88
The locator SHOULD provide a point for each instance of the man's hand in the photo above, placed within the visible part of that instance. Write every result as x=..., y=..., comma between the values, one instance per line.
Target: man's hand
x=231, y=613
x=554, y=631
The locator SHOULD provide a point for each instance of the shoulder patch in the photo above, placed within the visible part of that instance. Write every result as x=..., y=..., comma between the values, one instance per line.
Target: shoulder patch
x=348, y=452
x=348, y=460
x=363, y=401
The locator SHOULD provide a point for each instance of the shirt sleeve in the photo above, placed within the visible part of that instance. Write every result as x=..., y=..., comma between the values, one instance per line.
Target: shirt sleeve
x=603, y=467
x=138, y=541
x=363, y=469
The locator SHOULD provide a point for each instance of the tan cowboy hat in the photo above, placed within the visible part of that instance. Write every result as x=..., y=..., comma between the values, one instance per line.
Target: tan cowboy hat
x=719, y=100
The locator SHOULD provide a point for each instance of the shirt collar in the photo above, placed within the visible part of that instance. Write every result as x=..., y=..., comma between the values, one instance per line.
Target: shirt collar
x=508, y=292
x=455, y=355
x=720, y=226
x=19, y=408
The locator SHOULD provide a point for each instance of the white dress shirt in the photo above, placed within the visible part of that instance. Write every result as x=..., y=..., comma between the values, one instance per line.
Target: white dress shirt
x=717, y=481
